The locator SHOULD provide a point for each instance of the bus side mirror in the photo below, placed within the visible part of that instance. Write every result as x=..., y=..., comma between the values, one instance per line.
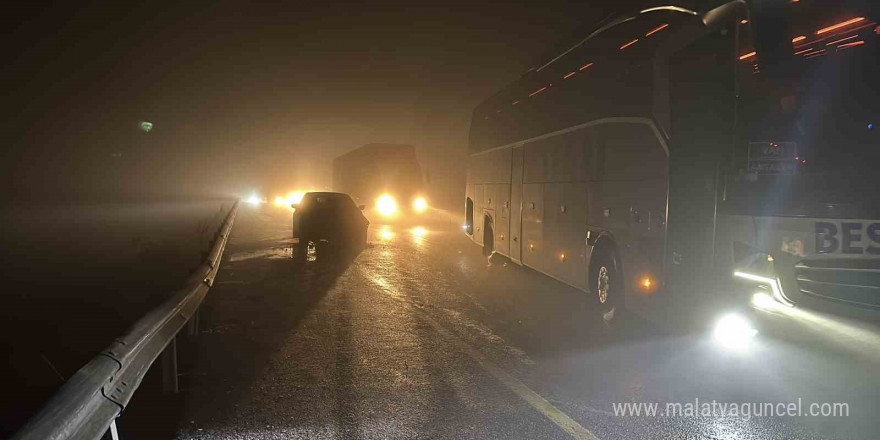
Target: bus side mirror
x=294, y=205
x=724, y=15
x=362, y=207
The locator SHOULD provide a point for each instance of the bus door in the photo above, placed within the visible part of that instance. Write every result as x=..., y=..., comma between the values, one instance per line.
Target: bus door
x=488, y=218
x=478, y=213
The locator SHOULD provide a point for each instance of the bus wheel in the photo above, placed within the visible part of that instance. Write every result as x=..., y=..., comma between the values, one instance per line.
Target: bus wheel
x=605, y=283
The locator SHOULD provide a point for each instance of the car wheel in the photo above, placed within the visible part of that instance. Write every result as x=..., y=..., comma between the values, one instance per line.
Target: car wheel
x=306, y=250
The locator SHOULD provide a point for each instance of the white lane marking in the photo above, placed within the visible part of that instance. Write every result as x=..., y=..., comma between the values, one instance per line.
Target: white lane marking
x=275, y=252
x=535, y=400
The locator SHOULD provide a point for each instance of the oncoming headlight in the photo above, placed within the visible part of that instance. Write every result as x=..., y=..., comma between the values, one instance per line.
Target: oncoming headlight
x=420, y=204
x=386, y=205
x=254, y=200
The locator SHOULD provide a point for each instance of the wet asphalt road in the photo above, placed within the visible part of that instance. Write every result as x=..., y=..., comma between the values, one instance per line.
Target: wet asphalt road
x=418, y=338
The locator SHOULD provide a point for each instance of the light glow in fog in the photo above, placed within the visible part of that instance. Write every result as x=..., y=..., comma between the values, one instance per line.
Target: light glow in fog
x=385, y=233
x=856, y=335
x=295, y=197
x=291, y=198
x=254, y=200
x=772, y=283
x=418, y=234
x=386, y=205
x=763, y=301
x=734, y=332
x=420, y=204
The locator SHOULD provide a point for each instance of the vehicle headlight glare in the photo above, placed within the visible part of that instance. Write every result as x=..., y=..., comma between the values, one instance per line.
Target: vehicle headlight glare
x=762, y=301
x=733, y=332
x=772, y=283
x=386, y=205
x=420, y=204
x=294, y=197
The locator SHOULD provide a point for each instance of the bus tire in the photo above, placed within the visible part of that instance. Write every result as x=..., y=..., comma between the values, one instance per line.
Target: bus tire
x=606, y=283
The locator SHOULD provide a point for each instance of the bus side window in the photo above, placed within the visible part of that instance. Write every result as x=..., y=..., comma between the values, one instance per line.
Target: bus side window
x=560, y=158
x=632, y=152
x=535, y=169
x=576, y=145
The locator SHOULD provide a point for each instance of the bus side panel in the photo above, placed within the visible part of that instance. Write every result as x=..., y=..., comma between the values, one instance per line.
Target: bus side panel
x=574, y=197
x=532, y=231
x=553, y=228
x=615, y=198
x=500, y=166
x=641, y=237
x=516, y=205
x=564, y=226
x=489, y=197
x=632, y=198
x=490, y=167
x=502, y=221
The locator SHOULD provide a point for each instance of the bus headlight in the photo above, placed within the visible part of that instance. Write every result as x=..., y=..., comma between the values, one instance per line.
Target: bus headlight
x=771, y=283
x=756, y=266
x=750, y=259
x=386, y=205
x=420, y=204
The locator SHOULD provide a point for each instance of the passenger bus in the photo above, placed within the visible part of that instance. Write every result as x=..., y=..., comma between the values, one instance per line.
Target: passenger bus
x=681, y=162
x=387, y=178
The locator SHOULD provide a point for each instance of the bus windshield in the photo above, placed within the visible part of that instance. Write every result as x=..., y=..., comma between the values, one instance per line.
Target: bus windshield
x=807, y=133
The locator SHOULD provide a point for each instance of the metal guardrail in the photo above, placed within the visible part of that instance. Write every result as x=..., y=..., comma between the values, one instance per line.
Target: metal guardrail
x=86, y=406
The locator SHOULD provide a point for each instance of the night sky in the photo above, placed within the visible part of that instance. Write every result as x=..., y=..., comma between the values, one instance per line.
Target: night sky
x=252, y=96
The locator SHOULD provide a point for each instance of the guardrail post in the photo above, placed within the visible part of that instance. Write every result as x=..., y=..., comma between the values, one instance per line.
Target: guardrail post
x=114, y=434
x=192, y=327
x=169, y=367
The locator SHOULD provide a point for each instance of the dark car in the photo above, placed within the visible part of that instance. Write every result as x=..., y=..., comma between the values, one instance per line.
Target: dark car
x=328, y=224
